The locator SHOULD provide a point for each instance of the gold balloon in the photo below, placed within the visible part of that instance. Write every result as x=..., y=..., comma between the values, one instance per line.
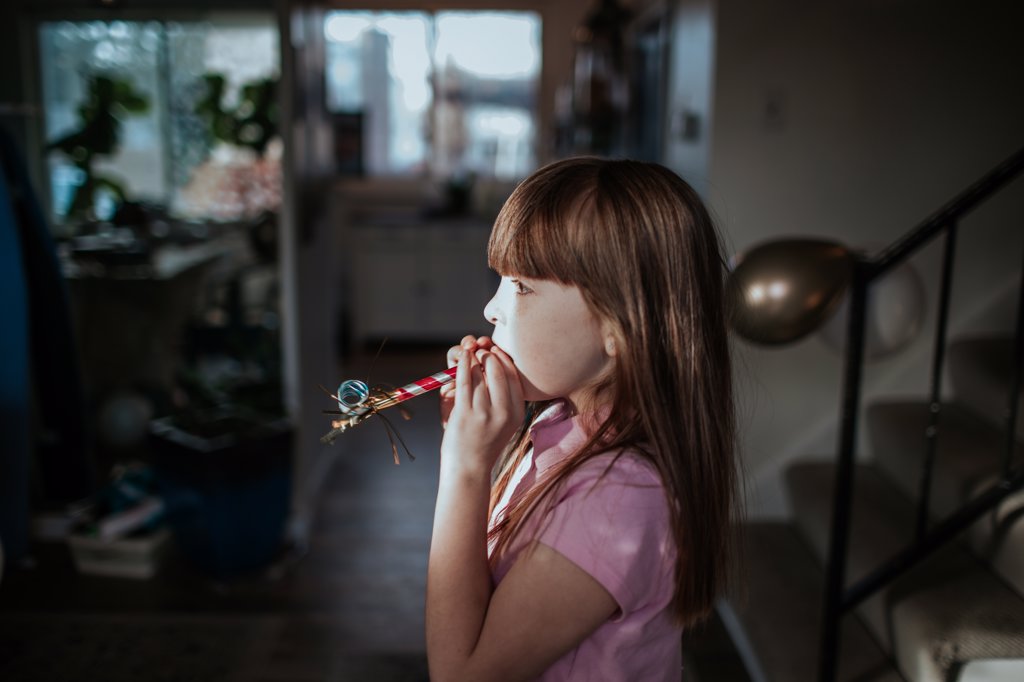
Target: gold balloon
x=783, y=290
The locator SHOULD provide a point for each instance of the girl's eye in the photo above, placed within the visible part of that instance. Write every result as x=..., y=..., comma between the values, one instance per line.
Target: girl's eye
x=520, y=288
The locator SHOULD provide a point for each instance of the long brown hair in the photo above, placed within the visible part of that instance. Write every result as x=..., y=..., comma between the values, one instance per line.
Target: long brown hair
x=639, y=243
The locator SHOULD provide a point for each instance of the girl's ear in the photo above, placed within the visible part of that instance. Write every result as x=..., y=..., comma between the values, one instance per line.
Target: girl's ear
x=611, y=347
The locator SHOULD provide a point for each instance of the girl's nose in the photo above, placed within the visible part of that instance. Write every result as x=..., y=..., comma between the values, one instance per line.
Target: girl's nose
x=491, y=311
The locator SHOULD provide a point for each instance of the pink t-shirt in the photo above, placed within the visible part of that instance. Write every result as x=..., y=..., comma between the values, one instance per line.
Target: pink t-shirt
x=615, y=527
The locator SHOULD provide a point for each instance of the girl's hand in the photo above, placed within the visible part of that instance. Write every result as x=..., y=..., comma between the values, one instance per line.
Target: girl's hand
x=455, y=353
x=484, y=408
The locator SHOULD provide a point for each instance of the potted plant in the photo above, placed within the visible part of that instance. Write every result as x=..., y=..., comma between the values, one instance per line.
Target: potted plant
x=98, y=134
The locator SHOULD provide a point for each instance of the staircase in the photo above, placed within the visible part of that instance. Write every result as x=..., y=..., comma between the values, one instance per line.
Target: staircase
x=910, y=565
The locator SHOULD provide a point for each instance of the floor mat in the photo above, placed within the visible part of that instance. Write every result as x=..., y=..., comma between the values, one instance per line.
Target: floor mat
x=186, y=648
x=131, y=647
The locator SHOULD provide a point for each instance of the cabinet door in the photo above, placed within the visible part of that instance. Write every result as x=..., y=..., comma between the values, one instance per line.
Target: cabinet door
x=461, y=284
x=427, y=282
x=389, y=295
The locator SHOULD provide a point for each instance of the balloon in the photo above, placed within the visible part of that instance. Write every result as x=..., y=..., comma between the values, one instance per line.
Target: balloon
x=781, y=291
x=894, y=317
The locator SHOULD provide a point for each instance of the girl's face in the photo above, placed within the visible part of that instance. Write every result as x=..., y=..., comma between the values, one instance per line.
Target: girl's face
x=560, y=347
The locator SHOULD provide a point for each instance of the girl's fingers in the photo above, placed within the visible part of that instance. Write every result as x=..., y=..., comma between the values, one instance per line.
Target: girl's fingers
x=497, y=383
x=481, y=394
x=463, y=380
x=503, y=383
x=455, y=352
x=514, y=383
x=472, y=391
x=505, y=359
x=474, y=386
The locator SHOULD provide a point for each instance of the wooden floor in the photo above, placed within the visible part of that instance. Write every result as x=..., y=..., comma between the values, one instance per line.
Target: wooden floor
x=349, y=607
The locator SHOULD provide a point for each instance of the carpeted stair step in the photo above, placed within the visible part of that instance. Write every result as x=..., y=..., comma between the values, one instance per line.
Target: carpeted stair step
x=968, y=459
x=959, y=623
x=913, y=616
x=774, y=619
x=980, y=372
x=882, y=524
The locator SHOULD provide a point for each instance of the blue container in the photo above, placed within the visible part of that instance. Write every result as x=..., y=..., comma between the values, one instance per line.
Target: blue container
x=226, y=480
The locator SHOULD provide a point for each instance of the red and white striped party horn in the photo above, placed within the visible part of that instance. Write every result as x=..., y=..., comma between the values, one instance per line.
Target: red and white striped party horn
x=400, y=395
x=357, y=402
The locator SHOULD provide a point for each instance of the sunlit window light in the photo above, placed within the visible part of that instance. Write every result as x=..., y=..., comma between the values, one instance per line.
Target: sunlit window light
x=430, y=91
x=347, y=27
x=468, y=39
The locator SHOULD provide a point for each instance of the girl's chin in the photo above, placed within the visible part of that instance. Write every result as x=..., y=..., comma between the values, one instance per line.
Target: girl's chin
x=532, y=394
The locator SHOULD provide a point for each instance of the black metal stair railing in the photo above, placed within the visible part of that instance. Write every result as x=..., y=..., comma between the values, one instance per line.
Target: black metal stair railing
x=840, y=598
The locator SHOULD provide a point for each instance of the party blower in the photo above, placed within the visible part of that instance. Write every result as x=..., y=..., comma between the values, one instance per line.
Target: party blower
x=358, y=402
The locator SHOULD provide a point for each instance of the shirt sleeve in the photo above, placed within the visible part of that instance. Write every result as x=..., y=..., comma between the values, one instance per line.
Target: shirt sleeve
x=614, y=524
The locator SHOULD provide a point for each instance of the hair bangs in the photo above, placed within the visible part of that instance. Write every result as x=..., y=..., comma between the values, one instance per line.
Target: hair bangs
x=538, y=232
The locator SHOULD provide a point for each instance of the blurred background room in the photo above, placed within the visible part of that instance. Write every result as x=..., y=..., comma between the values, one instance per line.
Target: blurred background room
x=214, y=212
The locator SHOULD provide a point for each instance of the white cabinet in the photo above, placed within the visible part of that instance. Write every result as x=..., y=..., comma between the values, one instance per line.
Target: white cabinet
x=419, y=281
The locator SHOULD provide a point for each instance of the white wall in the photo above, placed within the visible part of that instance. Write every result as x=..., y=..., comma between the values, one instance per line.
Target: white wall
x=691, y=91
x=851, y=121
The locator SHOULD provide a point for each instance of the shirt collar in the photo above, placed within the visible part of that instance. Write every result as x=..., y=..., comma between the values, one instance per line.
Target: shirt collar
x=557, y=433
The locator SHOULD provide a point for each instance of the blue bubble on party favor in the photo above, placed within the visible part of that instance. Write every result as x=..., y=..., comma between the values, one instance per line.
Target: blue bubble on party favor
x=352, y=393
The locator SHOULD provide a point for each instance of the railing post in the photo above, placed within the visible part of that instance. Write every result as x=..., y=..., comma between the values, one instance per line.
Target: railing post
x=837, y=598
x=843, y=487
x=931, y=434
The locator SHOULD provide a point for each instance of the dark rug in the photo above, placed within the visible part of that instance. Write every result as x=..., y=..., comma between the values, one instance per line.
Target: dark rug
x=181, y=648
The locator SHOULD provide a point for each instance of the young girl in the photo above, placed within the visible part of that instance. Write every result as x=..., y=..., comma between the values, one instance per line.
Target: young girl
x=587, y=478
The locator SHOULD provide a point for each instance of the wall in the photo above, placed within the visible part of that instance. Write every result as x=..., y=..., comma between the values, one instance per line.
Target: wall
x=691, y=91
x=854, y=121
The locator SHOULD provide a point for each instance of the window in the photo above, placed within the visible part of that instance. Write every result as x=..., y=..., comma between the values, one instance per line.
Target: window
x=445, y=93
x=125, y=99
